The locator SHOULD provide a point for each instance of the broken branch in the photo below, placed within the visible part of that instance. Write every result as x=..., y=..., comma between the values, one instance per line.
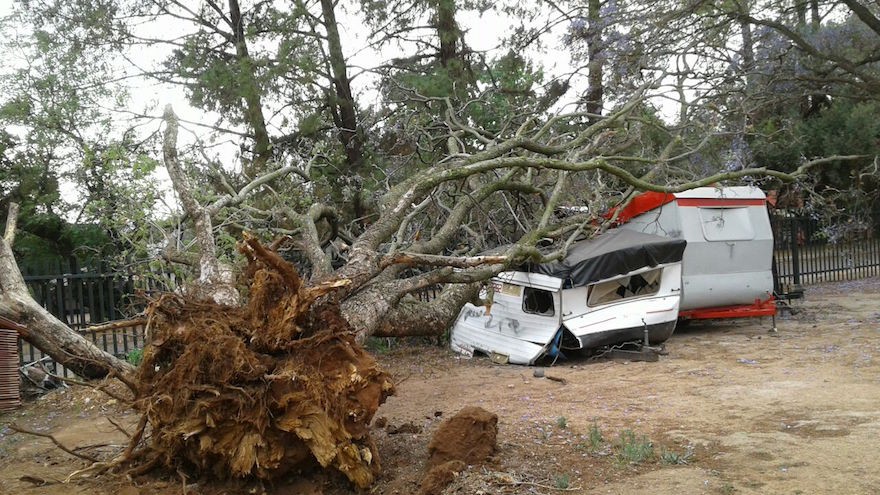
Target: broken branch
x=54, y=440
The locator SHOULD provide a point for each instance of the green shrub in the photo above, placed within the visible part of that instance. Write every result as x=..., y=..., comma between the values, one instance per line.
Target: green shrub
x=562, y=422
x=562, y=481
x=632, y=449
x=135, y=357
x=672, y=457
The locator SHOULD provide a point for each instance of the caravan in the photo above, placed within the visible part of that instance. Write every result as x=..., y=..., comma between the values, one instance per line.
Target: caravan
x=727, y=265
x=621, y=286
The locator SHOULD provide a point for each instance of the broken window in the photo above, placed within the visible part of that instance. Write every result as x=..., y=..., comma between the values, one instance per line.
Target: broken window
x=642, y=284
x=538, y=302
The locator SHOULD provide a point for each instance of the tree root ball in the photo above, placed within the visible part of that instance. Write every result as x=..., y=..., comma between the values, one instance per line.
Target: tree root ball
x=260, y=390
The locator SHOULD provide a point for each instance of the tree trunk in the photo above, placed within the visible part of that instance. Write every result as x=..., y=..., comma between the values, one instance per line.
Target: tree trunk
x=47, y=333
x=748, y=50
x=53, y=337
x=252, y=94
x=214, y=281
x=449, y=35
x=595, y=88
x=379, y=314
x=343, y=108
x=414, y=318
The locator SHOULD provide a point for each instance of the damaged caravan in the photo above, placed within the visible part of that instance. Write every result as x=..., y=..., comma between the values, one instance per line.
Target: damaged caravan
x=618, y=287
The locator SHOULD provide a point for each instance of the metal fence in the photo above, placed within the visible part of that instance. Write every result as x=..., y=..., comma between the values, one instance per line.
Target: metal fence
x=82, y=298
x=804, y=253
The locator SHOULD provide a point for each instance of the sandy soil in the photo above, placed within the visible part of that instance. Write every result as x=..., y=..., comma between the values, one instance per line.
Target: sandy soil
x=749, y=411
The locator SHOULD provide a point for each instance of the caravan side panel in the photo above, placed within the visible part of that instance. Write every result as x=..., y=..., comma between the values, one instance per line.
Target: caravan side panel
x=474, y=331
x=625, y=320
x=728, y=257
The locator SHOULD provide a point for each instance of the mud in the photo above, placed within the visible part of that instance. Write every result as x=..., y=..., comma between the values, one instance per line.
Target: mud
x=469, y=436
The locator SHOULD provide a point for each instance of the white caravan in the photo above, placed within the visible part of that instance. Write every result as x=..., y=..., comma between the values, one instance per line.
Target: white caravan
x=621, y=286
x=727, y=263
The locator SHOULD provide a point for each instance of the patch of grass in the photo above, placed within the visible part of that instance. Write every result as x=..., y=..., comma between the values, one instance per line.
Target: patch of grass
x=378, y=345
x=595, y=442
x=595, y=437
x=562, y=481
x=674, y=458
x=135, y=357
x=727, y=489
x=632, y=449
x=562, y=422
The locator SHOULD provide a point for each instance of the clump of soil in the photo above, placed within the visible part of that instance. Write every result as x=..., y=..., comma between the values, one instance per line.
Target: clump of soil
x=468, y=438
x=261, y=390
x=440, y=476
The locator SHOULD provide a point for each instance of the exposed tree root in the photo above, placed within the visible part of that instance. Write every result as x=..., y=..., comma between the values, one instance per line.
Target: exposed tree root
x=54, y=440
x=254, y=391
x=259, y=390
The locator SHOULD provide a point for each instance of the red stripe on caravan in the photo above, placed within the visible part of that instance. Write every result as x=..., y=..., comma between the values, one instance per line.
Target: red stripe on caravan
x=642, y=203
x=759, y=308
x=719, y=202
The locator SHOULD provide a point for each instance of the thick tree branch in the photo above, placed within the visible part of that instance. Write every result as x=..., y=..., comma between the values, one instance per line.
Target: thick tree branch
x=11, y=223
x=417, y=259
x=212, y=282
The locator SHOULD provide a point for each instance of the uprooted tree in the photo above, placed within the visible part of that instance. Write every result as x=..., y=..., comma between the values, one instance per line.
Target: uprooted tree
x=264, y=386
x=268, y=386
x=424, y=230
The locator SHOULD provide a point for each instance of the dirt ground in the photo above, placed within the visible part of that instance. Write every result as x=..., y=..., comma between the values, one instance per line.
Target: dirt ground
x=731, y=409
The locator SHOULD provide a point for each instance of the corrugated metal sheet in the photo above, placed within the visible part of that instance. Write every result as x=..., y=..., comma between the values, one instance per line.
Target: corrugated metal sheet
x=10, y=391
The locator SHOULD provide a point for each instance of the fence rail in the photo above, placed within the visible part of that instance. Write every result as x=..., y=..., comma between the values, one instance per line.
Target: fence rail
x=805, y=254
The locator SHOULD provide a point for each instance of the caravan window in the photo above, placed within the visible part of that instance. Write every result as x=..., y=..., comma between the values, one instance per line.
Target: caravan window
x=642, y=284
x=538, y=302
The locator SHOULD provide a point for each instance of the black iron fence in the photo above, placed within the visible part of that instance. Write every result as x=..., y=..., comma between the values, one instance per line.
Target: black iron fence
x=805, y=252
x=83, y=298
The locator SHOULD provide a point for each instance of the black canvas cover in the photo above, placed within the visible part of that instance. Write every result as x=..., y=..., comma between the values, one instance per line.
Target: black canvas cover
x=616, y=252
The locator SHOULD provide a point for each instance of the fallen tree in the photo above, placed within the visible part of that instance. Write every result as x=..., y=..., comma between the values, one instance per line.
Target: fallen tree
x=425, y=230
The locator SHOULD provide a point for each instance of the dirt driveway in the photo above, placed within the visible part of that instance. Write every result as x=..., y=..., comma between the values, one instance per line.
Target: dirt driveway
x=731, y=409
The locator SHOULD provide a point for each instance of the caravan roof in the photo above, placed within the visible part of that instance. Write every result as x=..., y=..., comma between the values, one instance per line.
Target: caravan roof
x=616, y=252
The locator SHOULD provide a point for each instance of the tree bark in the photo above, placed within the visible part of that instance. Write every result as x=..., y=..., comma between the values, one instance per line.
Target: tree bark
x=214, y=281
x=413, y=317
x=748, y=50
x=595, y=88
x=449, y=35
x=252, y=94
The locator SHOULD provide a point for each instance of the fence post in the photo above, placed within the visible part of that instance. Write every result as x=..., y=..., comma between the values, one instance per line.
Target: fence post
x=795, y=254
